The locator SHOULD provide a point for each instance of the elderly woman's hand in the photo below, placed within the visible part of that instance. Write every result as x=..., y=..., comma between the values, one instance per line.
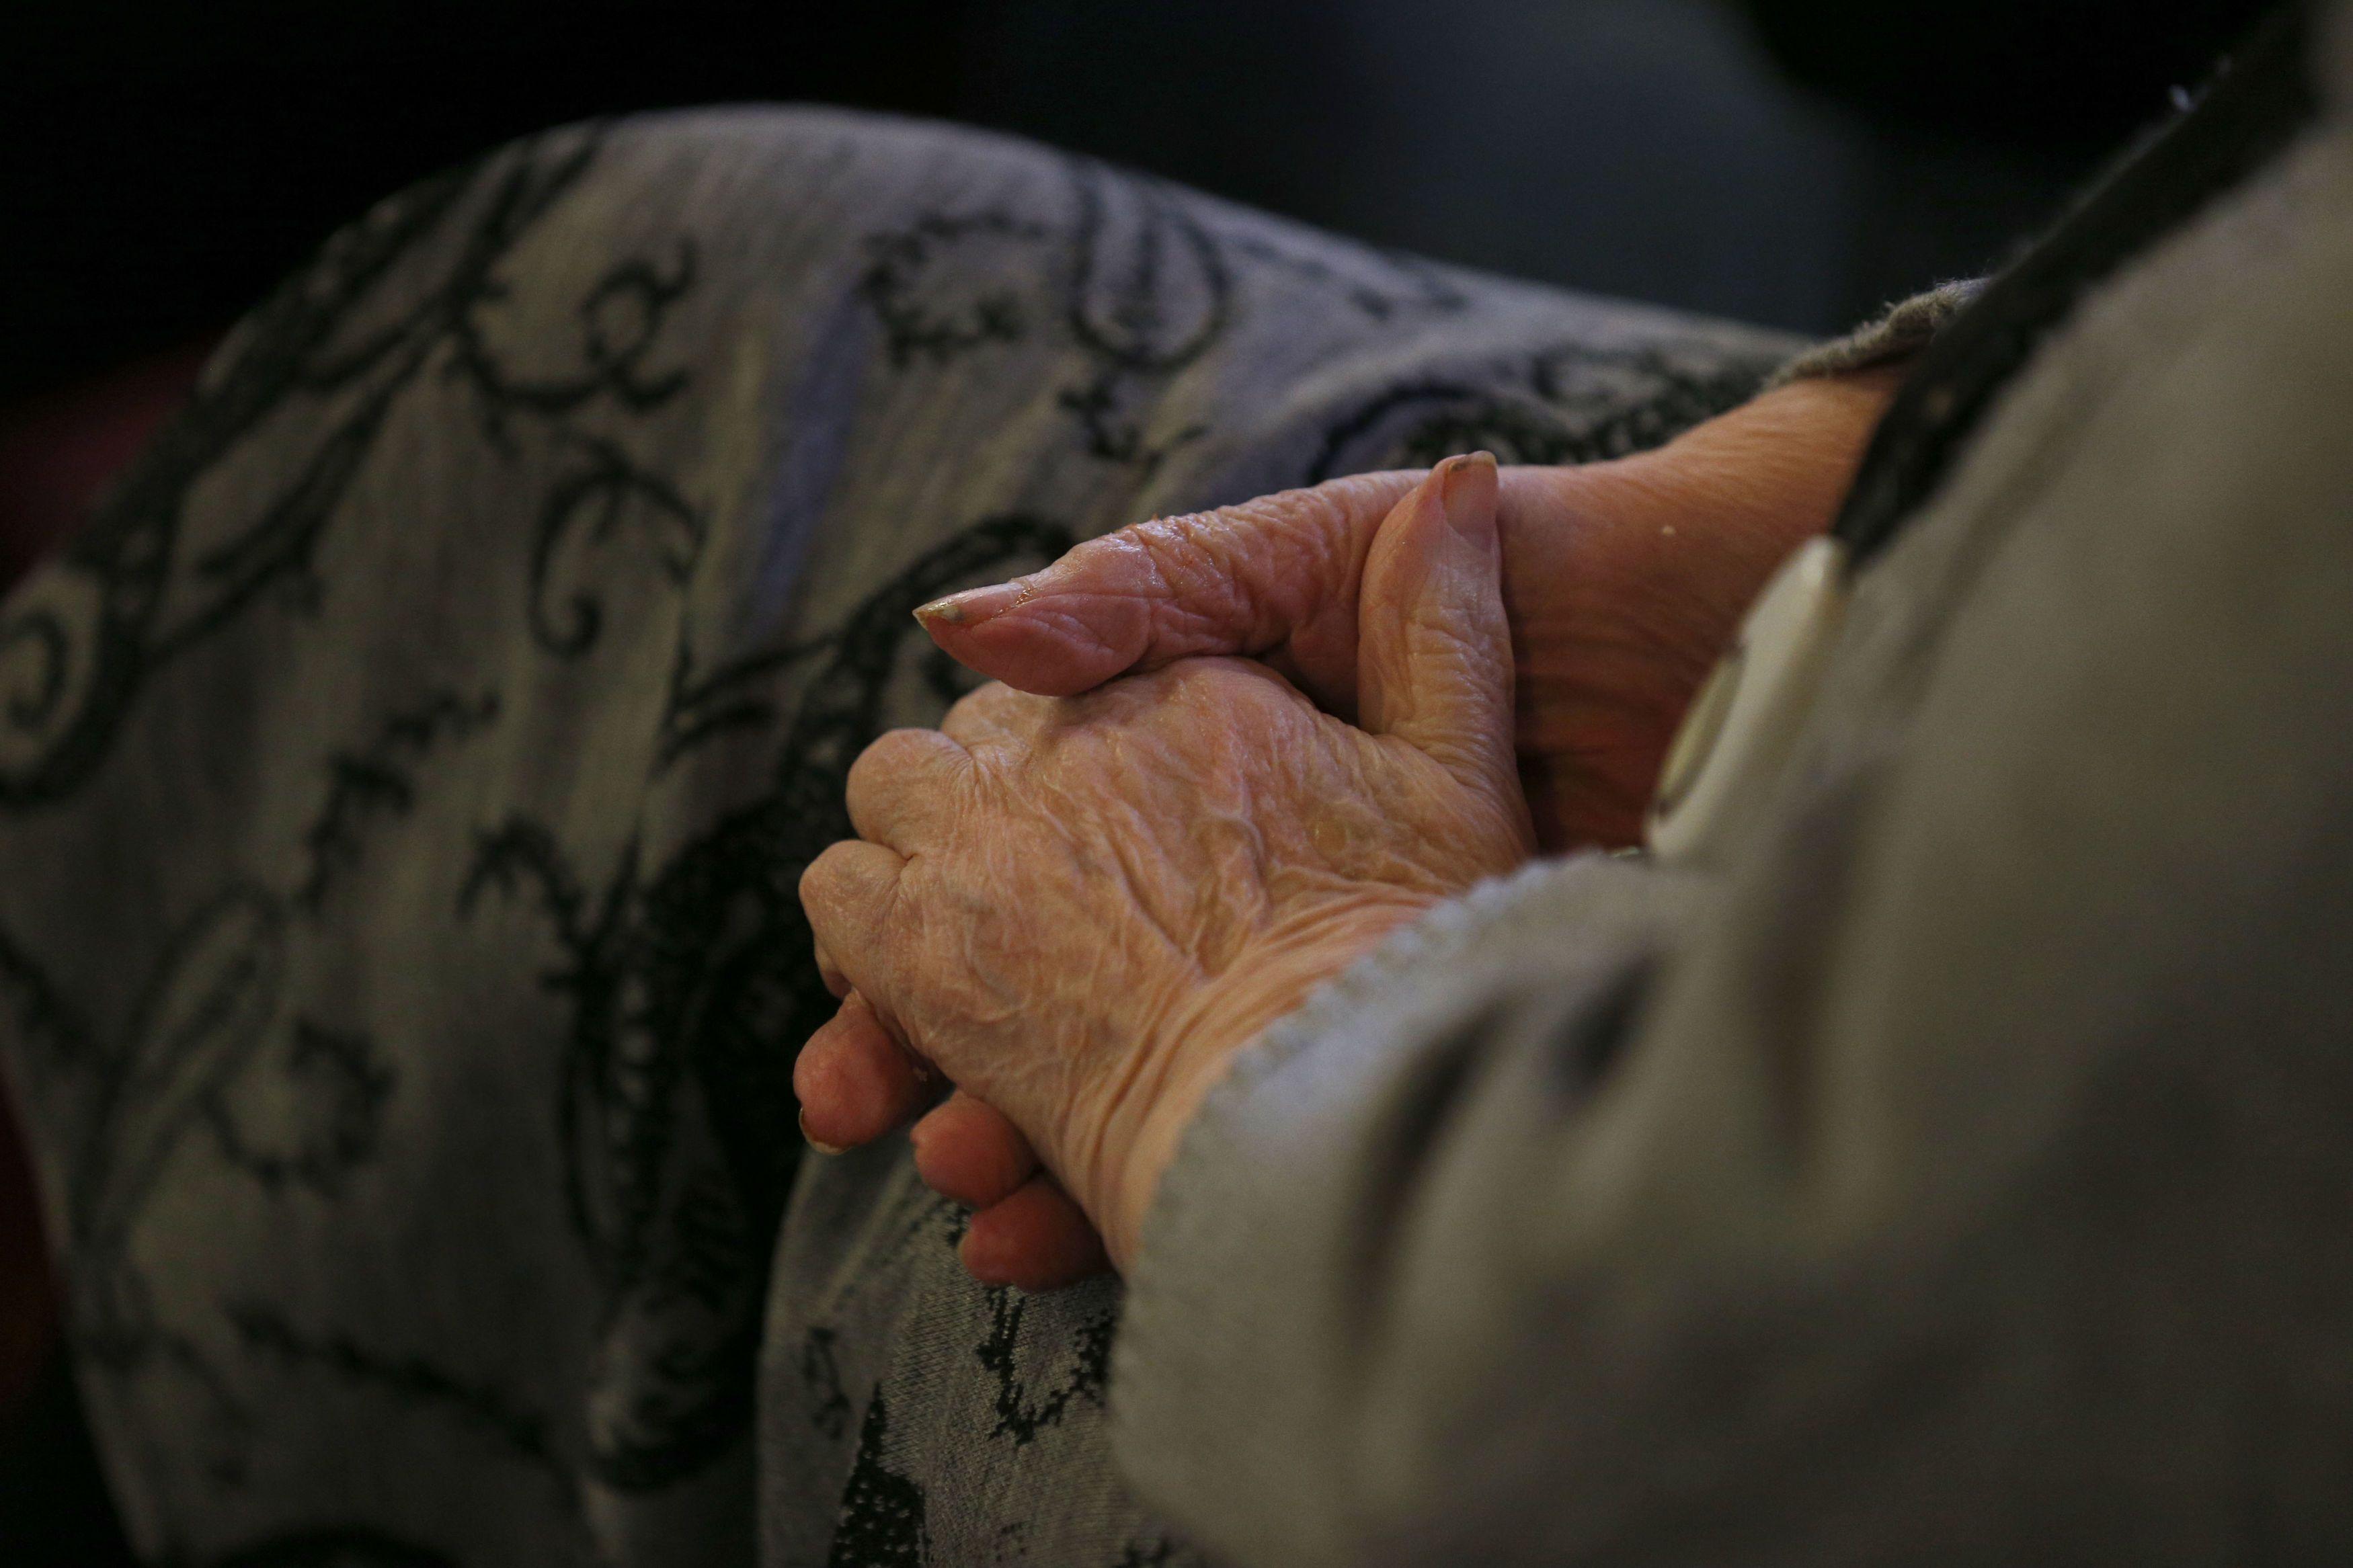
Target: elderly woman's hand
x=1624, y=581
x=1077, y=909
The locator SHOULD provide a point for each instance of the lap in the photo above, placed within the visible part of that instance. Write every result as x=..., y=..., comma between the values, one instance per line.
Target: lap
x=405, y=779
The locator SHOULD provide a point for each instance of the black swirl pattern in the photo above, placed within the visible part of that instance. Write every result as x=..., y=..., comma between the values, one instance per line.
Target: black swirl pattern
x=694, y=975
x=134, y=589
x=642, y=961
x=1568, y=403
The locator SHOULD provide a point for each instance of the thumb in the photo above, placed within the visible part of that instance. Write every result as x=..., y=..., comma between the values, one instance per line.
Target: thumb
x=1274, y=578
x=1434, y=653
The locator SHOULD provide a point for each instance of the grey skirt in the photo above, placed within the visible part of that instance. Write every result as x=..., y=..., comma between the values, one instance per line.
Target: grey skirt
x=406, y=775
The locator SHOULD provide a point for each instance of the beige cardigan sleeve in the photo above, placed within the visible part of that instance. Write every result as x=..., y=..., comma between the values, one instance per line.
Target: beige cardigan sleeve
x=1962, y=1178
x=1906, y=328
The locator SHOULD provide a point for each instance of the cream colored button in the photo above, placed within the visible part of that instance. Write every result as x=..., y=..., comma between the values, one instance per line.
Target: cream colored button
x=1738, y=734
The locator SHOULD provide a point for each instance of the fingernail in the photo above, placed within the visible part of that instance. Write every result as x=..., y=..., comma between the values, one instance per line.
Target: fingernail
x=1466, y=489
x=820, y=1147
x=974, y=605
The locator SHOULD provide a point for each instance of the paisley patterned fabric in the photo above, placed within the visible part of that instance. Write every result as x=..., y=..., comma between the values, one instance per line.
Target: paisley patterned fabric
x=406, y=776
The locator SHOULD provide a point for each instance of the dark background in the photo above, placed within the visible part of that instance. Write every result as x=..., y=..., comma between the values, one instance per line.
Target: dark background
x=1788, y=161
x=1791, y=162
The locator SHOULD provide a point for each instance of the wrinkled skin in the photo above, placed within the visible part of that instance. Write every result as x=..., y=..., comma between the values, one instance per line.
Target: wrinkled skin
x=1623, y=581
x=1079, y=908
x=1622, y=584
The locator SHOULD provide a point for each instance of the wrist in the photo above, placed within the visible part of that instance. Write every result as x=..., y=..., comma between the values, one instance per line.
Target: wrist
x=1628, y=579
x=1764, y=477
x=1138, y=1133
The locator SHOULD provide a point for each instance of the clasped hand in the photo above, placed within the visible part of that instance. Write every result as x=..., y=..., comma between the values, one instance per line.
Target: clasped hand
x=1079, y=898
x=1077, y=909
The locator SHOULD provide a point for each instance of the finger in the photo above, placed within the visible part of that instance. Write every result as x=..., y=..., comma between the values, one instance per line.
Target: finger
x=1434, y=652
x=1036, y=1239
x=967, y=1151
x=1277, y=574
x=847, y=893
x=902, y=784
x=854, y=1081
x=836, y=983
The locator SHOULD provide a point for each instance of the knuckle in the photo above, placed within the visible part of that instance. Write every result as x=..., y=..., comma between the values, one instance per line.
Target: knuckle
x=1330, y=518
x=1304, y=515
x=1124, y=561
x=813, y=881
x=892, y=752
x=989, y=709
x=1218, y=682
x=1170, y=551
x=827, y=879
x=1187, y=678
x=974, y=705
